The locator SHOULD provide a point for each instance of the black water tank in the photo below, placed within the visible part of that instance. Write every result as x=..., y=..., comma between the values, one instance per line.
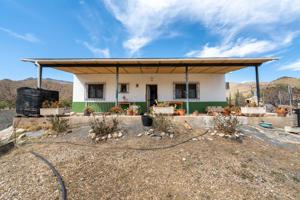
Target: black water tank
x=30, y=100
x=297, y=113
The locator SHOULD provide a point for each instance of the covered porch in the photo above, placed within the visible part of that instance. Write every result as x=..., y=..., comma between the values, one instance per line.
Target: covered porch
x=186, y=76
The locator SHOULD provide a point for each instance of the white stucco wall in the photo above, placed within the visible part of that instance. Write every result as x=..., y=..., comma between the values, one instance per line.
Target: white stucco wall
x=212, y=86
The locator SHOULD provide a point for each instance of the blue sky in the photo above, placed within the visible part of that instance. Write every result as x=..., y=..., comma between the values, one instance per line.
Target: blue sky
x=156, y=28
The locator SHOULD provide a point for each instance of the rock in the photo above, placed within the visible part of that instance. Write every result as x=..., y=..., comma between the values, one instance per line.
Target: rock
x=115, y=135
x=171, y=135
x=150, y=131
x=209, y=138
x=183, y=159
x=221, y=134
x=91, y=131
x=157, y=137
x=187, y=125
x=21, y=136
x=162, y=133
x=92, y=135
x=97, y=139
x=140, y=134
x=104, y=137
x=20, y=130
x=120, y=134
x=195, y=139
x=212, y=133
x=72, y=113
x=109, y=136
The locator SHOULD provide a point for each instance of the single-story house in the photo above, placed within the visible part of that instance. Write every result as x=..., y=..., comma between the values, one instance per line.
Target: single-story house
x=104, y=83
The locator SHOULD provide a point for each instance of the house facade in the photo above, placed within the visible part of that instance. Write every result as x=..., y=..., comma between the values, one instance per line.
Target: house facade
x=98, y=90
x=191, y=83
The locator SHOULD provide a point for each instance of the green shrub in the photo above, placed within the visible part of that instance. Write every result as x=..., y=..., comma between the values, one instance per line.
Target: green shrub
x=226, y=124
x=104, y=127
x=3, y=104
x=163, y=124
x=59, y=125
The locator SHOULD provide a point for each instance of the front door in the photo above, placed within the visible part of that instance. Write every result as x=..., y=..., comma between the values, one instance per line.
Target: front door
x=151, y=95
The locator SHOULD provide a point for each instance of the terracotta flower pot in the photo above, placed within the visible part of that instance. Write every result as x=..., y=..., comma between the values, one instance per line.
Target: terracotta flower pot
x=181, y=112
x=281, y=112
x=129, y=112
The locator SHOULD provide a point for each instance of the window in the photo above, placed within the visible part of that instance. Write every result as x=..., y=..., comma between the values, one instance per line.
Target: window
x=123, y=88
x=180, y=91
x=95, y=91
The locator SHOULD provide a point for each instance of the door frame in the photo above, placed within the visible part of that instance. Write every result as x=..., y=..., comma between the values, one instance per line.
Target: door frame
x=147, y=95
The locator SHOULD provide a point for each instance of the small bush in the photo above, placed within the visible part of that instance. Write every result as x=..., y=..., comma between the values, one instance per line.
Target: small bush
x=104, y=127
x=3, y=104
x=116, y=110
x=226, y=124
x=163, y=124
x=66, y=103
x=59, y=125
x=88, y=111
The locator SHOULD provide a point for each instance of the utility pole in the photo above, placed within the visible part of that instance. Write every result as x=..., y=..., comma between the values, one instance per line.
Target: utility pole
x=290, y=91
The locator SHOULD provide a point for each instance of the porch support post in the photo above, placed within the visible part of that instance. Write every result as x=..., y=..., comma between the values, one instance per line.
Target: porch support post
x=257, y=84
x=39, y=75
x=187, y=89
x=117, y=86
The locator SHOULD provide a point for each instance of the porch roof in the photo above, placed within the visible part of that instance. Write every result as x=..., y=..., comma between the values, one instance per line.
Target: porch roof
x=148, y=65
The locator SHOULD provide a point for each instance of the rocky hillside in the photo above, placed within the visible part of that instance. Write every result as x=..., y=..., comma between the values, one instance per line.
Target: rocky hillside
x=8, y=88
x=245, y=88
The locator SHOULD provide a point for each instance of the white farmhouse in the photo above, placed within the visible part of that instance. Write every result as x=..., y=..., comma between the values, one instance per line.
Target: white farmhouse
x=193, y=83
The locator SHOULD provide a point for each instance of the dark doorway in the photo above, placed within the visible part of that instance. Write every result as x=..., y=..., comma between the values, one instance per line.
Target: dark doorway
x=151, y=95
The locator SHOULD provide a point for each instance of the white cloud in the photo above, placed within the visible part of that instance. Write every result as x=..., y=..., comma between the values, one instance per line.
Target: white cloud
x=294, y=66
x=150, y=19
x=97, y=52
x=29, y=37
x=134, y=44
x=243, y=47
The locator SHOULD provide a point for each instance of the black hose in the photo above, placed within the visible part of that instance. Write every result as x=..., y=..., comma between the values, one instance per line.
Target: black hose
x=56, y=173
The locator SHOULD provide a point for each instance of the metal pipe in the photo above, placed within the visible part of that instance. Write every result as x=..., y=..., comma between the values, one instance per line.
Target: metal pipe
x=257, y=84
x=187, y=89
x=117, y=86
x=39, y=74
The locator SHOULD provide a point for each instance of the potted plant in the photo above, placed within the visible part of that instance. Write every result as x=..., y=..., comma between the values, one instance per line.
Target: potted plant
x=147, y=120
x=52, y=108
x=88, y=111
x=116, y=110
x=281, y=112
x=180, y=112
x=135, y=109
x=129, y=111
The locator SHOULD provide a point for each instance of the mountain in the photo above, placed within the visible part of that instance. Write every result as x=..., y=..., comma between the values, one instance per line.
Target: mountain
x=247, y=87
x=8, y=88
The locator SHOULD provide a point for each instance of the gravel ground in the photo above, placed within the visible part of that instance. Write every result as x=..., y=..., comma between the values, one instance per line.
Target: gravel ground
x=6, y=118
x=209, y=168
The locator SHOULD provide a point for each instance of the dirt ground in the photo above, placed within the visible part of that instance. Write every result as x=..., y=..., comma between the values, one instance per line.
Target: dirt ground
x=209, y=168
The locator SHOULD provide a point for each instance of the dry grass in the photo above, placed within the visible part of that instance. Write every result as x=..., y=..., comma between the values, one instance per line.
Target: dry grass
x=203, y=169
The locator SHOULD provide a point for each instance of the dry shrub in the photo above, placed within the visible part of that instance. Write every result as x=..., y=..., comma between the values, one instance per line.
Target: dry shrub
x=58, y=124
x=104, y=127
x=163, y=124
x=226, y=124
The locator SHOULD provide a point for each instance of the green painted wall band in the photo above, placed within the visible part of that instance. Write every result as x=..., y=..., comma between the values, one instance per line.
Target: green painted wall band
x=106, y=106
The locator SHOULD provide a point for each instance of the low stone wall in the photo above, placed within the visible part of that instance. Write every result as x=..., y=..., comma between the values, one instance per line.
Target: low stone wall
x=134, y=122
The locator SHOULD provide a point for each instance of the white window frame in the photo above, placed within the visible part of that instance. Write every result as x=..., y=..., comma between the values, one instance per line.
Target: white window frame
x=86, y=88
x=119, y=88
x=197, y=90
